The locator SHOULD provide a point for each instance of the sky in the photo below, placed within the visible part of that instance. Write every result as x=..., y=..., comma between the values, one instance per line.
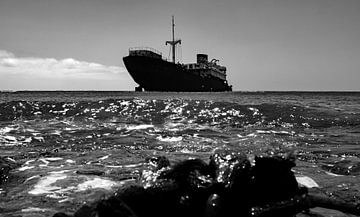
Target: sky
x=266, y=45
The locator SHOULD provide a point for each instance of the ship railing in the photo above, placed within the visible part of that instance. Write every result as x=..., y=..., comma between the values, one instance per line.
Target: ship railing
x=146, y=49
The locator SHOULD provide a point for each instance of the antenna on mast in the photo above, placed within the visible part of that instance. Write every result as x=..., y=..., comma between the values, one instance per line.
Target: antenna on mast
x=173, y=42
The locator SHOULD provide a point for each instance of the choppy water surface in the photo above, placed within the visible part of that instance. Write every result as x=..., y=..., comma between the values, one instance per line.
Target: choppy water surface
x=75, y=147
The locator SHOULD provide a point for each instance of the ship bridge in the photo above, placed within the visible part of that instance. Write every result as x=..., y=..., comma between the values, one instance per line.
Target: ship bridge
x=205, y=68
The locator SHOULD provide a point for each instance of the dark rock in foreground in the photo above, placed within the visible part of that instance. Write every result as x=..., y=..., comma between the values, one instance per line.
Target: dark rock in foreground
x=229, y=185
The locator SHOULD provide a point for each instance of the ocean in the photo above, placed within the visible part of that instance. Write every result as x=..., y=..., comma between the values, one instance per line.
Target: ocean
x=70, y=148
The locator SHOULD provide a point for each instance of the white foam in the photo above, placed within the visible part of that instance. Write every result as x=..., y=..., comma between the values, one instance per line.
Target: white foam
x=10, y=159
x=263, y=131
x=140, y=127
x=283, y=132
x=59, y=171
x=29, y=161
x=169, y=139
x=25, y=168
x=255, y=110
x=186, y=151
x=53, y=158
x=6, y=129
x=33, y=209
x=103, y=158
x=216, y=109
x=160, y=147
x=114, y=166
x=56, y=132
x=174, y=126
x=45, y=185
x=70, y=161
x=97, y=183
x=64, y=200
x=125, y=103
x=32, y=177
x=306, y=181
x=133, y=165
x=28, y=140
x=332, y=174
x=251, y=135
x=44, y=161
x=32, y=131
x=10, y=138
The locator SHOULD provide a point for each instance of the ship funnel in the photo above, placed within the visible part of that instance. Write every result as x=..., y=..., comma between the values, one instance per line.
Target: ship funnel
x=202, y=58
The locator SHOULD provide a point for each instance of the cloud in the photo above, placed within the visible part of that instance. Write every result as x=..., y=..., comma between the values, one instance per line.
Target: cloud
x=55, y=68
x=5, y=54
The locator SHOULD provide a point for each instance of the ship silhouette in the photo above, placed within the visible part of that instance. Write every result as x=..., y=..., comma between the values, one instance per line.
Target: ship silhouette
x=154, y=73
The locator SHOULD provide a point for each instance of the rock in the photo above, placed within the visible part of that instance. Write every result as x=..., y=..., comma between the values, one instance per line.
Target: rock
x=234, y=172
x=273, y=180
x=159, y=162
x=193, y=173
x=227, y=186
x=86, y=211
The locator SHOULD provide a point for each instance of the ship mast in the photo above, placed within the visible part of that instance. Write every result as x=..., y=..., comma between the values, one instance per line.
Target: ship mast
x=173, y=42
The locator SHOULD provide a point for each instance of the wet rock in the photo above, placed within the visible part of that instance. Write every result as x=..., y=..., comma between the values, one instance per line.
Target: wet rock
x=190, y=174
x=233, y=171
x=86, y=211
x=273, y=180
x=226, y=186
x=158, y=162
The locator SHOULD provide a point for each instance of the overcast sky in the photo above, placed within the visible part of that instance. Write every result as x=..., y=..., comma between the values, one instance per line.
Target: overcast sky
x=265, y=44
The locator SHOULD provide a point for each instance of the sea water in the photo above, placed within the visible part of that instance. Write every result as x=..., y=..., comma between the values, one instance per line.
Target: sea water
x=71, y=148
